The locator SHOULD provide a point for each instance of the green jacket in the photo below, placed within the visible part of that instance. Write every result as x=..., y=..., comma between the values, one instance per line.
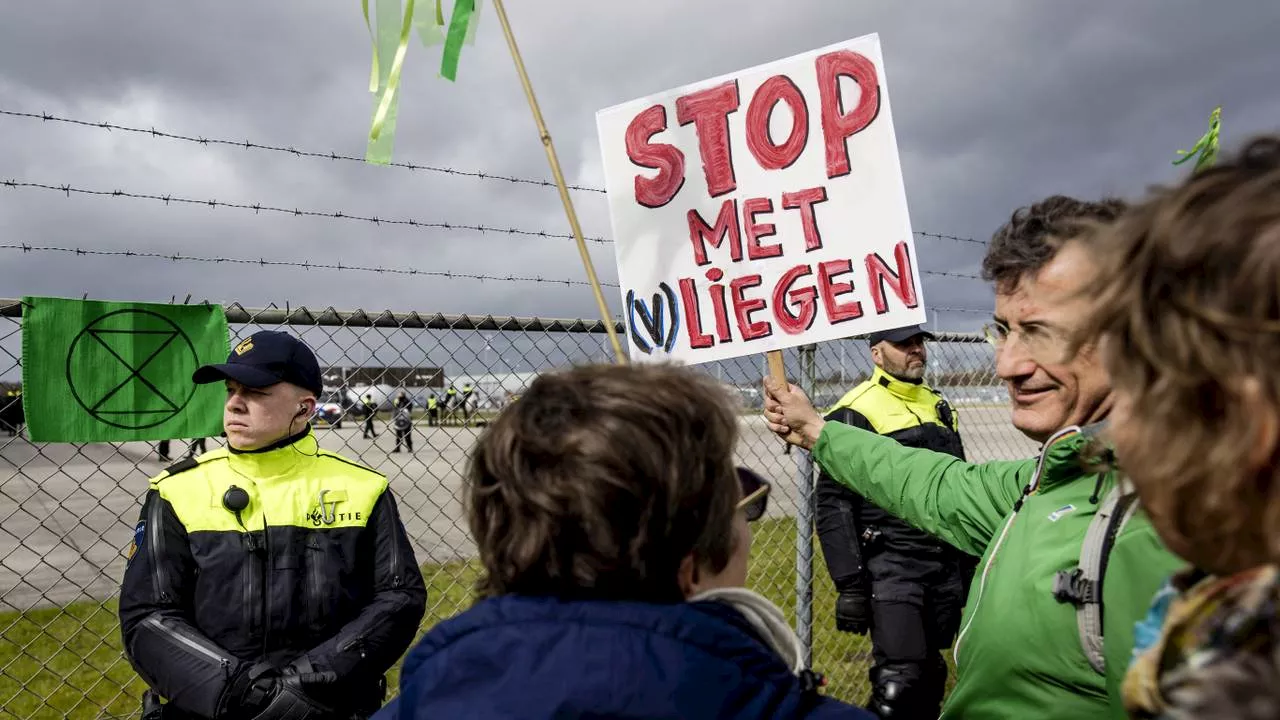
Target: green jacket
x=1018, y=653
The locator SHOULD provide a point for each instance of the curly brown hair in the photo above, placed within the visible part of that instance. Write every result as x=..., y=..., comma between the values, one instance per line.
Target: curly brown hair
x=601, y=479
x=1186, y=303
x=1031, y=238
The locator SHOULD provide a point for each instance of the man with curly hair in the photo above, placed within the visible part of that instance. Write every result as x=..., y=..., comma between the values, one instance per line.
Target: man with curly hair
x=1068, y=564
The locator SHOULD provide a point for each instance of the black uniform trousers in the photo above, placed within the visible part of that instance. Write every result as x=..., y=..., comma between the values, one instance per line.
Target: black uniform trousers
x=916, y=597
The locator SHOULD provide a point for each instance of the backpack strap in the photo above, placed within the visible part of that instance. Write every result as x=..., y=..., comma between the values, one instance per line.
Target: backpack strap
x=1082, y=586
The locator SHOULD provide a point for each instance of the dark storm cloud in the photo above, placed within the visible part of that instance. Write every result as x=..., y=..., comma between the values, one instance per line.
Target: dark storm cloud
x=995, y=103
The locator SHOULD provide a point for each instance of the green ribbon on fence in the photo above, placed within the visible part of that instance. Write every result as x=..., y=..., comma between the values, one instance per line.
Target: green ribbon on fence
x=459, y=23
x=1206, y=148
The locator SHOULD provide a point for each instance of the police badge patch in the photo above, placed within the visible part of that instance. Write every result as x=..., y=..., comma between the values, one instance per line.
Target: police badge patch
x=139, y=533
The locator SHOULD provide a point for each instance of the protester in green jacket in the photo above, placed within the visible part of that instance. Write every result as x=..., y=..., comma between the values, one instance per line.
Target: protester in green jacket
x=1034, y=642
x=1019, y=652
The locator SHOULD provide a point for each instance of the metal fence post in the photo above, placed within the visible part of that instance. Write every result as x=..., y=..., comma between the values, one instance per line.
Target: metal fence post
x=804, y=519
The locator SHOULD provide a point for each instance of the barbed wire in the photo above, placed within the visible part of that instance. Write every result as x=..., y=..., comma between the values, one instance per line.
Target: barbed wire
x=339, y=266
x=338, y=215
x=305, y=265
x=971, y=311
x=955, y=275
x=258, y=208
x=250, y=145
x=956, y=238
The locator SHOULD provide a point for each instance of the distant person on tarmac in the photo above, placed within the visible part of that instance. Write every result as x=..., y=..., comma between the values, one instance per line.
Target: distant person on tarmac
x=433, y=410
x=402, y=424
x=197, y=446
x=468, y=404
x=370, y=411
x=451, y=404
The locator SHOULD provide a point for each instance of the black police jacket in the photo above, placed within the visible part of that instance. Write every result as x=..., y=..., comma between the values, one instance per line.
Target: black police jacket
x=916, y=416
x=314, y=568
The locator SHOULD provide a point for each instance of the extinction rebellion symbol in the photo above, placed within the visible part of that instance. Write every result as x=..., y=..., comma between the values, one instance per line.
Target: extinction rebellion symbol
x=132, y=369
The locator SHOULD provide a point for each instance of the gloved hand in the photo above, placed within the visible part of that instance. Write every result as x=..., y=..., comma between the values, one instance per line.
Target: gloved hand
x=286, y=700
x=853, y=612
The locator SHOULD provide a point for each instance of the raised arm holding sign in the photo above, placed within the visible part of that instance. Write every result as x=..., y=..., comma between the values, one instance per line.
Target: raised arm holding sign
x=796, y=231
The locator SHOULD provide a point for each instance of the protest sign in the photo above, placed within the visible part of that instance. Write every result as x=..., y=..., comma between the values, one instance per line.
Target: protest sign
x=113, y=372
x=793, y=230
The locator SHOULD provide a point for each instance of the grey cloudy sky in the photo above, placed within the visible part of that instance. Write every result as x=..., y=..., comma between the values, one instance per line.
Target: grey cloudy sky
x=995, y=104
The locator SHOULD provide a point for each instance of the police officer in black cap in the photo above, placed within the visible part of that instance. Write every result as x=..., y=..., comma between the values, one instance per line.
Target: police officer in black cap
x=904, y=586
x=270, y=579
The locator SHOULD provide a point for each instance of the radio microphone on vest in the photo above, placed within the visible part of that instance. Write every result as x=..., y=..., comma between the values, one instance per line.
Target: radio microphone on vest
x=236, y=499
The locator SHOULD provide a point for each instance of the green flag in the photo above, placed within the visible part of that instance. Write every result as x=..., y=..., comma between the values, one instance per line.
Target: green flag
x=113, y=371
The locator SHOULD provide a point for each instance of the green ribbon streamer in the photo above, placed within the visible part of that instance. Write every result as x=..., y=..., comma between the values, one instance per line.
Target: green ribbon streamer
x=397, y=64
x=382, y=125
x=1206, y=148
x=373, y=71
x=473, y=24
x=431, y=27
x=385, y=81
x=458, y=22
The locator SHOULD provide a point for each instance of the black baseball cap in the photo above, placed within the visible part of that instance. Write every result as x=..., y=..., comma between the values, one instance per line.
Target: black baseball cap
x=898, y=335
x=265, y=358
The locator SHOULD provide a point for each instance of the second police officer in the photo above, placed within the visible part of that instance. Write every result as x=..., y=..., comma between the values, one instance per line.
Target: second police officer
x=905, y=587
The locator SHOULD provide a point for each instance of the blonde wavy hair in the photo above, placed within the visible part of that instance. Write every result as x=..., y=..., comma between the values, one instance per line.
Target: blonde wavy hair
x=1186, y=305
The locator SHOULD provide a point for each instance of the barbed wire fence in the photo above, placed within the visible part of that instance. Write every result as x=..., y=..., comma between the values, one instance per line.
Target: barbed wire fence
x=67, y=511
x=70, y=509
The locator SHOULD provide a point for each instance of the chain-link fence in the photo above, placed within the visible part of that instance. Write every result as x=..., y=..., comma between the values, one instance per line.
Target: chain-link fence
x=67, y=512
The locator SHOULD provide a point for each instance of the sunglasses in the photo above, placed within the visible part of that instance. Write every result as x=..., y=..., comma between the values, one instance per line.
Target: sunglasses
x=755, y=494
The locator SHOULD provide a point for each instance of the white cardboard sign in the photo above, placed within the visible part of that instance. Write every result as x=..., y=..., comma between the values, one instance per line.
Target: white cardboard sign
x=761, y=210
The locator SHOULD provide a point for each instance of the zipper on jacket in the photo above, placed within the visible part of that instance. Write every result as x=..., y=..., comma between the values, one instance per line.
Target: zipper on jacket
x=982, y=582
x=313, y=587
x=353, y=644
x=266, y=586
x=249, y=581
x=159, y=580
x=395, y=550
x=187, y=642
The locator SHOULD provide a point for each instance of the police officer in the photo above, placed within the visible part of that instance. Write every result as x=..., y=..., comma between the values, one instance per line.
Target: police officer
x=904, y=586
x=370, y=410
x=270, y=578
x=467, y=390
x=451, y=404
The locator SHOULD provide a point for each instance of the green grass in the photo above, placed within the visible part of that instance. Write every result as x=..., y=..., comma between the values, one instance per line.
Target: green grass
x=66, y=662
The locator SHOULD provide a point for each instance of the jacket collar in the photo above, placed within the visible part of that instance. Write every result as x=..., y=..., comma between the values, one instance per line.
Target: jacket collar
x=908, y=391
x=716, y=627
x=277, y=459
x=1060, y=458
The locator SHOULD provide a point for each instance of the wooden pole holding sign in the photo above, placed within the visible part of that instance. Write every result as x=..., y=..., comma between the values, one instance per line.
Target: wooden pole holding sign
x=777, y=370
x=619, y=356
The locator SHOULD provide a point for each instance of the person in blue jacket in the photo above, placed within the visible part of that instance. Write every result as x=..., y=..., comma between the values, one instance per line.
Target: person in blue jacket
x=612, y=527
